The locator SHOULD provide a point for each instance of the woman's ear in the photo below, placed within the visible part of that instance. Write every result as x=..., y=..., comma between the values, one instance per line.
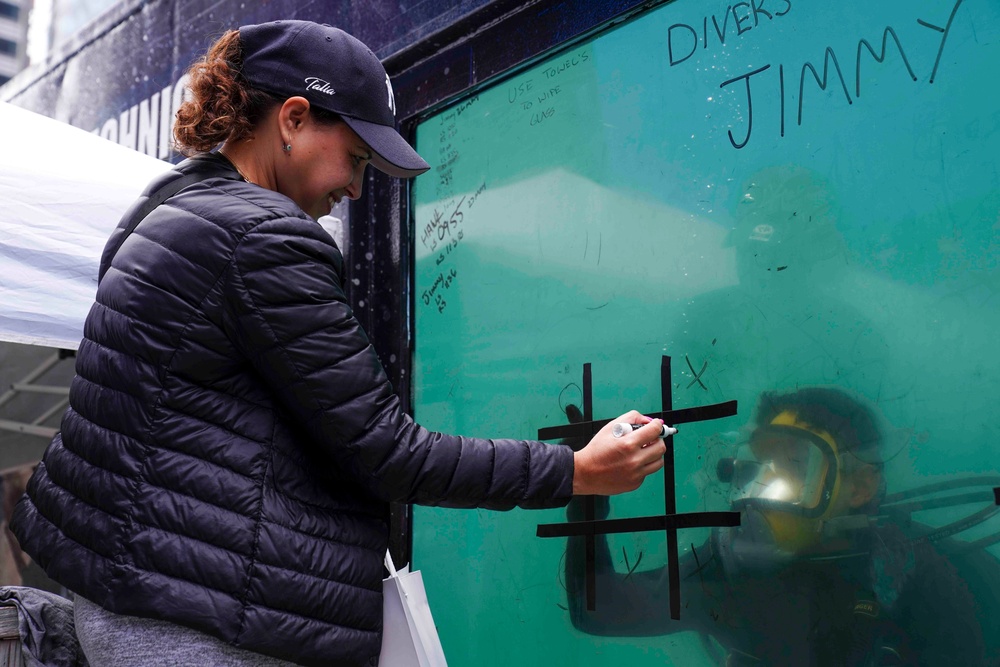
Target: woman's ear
x=292, y=114
x=865, y=482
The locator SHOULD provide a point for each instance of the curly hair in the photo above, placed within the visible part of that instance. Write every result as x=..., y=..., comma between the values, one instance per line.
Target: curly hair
x=221, y=105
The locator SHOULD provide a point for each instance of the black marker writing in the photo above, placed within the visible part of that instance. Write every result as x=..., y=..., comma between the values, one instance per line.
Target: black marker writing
x=683, y=39
x=889, y=32
x=434, y=292
x=828, y=56
x=445, y=237
x=441, y=227
x=530, y=94
x=746, y=79
x=830, y=75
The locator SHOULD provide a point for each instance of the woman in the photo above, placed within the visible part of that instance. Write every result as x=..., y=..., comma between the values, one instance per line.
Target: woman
x=219, y=491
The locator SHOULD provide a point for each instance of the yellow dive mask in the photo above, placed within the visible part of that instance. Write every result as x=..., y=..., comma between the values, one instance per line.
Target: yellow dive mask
x=788, y=473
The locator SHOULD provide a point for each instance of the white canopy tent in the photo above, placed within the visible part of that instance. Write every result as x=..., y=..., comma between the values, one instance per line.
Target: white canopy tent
x=62, y=192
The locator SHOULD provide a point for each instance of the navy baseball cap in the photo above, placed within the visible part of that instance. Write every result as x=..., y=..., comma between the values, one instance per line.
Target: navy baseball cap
x=335, y=72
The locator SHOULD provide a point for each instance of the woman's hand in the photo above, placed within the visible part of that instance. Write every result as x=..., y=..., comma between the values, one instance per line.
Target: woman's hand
x=610, y=465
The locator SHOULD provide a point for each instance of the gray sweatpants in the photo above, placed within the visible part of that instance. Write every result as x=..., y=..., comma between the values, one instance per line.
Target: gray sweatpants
x=109, y=639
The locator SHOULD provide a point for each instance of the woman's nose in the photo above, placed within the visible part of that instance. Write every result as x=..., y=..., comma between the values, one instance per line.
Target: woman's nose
x=357, y=185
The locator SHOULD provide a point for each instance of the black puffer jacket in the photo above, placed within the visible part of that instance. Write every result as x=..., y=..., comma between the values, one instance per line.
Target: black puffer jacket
x=232, y=441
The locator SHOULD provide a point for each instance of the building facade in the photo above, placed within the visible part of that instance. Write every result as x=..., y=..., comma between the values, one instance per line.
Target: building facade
x=13, y=37
x=70, y=16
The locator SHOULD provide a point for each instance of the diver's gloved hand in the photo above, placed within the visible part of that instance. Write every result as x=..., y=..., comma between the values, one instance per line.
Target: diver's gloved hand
x=575, y=509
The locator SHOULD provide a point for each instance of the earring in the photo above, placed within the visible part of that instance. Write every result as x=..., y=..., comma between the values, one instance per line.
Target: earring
x=287, y=148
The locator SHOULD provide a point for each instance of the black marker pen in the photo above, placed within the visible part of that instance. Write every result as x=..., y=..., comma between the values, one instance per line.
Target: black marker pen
x=621, y=428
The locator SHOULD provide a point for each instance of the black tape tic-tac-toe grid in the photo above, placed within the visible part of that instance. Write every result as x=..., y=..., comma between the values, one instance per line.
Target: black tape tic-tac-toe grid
x=670, y=521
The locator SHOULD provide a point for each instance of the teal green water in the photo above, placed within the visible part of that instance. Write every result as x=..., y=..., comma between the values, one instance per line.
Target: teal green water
x=808, y=196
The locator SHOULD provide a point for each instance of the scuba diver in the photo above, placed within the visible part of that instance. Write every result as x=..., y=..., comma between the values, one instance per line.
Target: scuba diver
x=813, y=575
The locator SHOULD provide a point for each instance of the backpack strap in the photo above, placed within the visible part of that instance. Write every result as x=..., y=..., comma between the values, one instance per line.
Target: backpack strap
x=159, y=196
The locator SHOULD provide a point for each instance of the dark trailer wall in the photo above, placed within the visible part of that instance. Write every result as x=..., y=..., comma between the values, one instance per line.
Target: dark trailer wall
x=772, y=195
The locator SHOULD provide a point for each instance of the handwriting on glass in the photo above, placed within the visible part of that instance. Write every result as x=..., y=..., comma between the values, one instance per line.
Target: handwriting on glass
x=764, y=80
x=443, y=235
x=435, y=293
x=536, y=95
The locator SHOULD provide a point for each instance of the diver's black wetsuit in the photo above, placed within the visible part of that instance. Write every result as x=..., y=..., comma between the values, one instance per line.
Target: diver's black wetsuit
x=895, y=602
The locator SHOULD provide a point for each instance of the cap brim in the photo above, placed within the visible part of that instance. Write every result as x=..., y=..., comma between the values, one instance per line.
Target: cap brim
x=391, y=153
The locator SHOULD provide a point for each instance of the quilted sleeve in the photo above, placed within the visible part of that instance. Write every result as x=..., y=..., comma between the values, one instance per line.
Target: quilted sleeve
x=289, y=316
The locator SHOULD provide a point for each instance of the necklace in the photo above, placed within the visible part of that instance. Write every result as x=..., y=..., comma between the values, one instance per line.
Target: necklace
x=238, y=170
